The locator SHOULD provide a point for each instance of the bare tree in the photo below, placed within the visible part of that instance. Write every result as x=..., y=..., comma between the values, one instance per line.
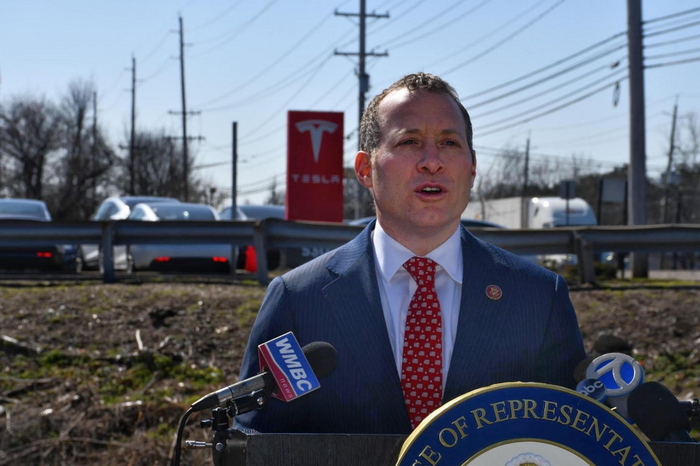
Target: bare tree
x=158, y=169
x=86, y=158
x=29, y=134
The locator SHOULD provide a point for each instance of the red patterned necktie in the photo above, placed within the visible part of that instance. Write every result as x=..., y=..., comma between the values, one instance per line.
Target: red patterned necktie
x=421, y=368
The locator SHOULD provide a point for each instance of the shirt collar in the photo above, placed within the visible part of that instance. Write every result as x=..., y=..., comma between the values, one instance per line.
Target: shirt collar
x=391, y=255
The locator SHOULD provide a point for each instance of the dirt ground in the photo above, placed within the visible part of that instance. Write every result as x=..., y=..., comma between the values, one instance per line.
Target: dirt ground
x=101, y=374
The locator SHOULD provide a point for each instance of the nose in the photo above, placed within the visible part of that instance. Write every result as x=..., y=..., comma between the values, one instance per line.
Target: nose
x=430, y=161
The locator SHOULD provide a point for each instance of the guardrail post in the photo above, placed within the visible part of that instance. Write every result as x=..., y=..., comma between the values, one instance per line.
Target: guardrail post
x=108, y=252
x=260, y=245
x=234, y=260
x=584, y=254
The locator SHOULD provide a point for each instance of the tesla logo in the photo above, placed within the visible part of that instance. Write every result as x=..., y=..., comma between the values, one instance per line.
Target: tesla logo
x=316, y=128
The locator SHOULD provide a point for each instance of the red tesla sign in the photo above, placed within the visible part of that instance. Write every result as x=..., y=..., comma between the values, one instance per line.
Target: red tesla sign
x=315, y=166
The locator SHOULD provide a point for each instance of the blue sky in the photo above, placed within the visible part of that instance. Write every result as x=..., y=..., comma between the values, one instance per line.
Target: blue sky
x=252, y=60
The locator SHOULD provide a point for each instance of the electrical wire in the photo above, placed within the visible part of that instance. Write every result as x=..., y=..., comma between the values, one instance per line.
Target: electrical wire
x=155, y=49
x=285, y=104
x=666, y=31
x=168, y=62
x=553, y=110
x=539, y=94
x=662, y=18
x=555, y=100
x=506, y=39
x=670, y=23
x=331, y=89
x=492, y=32
x=283, y=81
x=556, y=63
x=428, y=22
x=671, y=54
x=674, y=41
x=392, y=20
x=239, y=30
x=217, y=17
x=672, y=63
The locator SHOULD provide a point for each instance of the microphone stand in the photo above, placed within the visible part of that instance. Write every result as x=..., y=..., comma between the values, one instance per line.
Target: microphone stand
x=221, y=427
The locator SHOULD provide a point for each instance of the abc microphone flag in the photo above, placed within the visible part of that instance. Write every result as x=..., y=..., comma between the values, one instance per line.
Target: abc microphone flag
x=284, y=359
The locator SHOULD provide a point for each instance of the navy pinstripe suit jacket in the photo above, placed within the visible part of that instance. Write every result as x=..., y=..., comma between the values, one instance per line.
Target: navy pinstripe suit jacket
x=530, y=334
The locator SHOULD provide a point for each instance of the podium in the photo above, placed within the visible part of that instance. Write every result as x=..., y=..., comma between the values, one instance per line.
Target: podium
x=368, y=450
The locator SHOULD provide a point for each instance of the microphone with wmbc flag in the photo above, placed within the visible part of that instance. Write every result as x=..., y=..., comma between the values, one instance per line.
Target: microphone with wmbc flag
x=287, y=370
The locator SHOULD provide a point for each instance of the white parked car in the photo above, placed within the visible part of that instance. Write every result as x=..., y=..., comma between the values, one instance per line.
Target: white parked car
x=112, y=208
x=201, y=258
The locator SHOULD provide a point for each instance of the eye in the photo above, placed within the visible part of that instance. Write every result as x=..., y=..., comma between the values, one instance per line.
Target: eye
x=451, y=143
x=408, y=142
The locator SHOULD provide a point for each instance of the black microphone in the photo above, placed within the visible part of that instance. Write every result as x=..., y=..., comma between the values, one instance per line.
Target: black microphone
x=321, y=357
x=658, y=413
x=581, y=368
x=611, y=344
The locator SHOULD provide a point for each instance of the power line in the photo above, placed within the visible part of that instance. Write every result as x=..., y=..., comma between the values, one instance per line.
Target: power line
x=553, y=110
x=555, y=100
x=672, y=63
x=539, y=94
x=671, y=23
x=285, y=104
x=556, y=63
x=674, y=41
x=237, y=32
x=282, y=82
x=672, y=54
x=666, y=31
x=217, y=17
x=662, y=18
x=493, y=31
x=430, y=21
x=505, y=40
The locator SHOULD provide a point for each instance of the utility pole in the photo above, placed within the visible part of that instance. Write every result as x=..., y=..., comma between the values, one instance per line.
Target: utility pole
x=133, y=124
x=637, y=170
x=527, y=163
x=234, y=174
x=670, y=161
x=362, y=76
x=184, y=113
x=93, y=155
x=186, y=165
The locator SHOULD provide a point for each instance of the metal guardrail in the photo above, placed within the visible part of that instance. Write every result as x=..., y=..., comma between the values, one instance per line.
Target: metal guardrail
x=281, y=234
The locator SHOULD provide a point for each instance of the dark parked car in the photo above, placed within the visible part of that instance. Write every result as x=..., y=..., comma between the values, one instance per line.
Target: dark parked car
x=256, y=212
x=43, y=257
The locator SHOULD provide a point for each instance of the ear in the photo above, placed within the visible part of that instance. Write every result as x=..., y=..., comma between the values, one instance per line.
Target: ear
x=363, y=169
x=473, y=169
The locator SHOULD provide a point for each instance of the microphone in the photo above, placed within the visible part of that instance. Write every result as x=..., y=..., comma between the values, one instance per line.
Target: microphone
x=620, y=374
x=321, y=356
x=611, y=344
x=659, y=414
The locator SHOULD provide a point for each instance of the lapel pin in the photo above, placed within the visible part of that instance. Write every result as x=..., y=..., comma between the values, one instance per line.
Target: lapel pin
x=494, y=292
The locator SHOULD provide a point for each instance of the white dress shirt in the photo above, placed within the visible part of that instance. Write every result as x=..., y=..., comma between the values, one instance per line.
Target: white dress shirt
x=396, y=288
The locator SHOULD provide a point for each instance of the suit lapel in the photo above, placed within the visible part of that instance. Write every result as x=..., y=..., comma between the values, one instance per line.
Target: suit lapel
x=477, y=315
x=355, y=303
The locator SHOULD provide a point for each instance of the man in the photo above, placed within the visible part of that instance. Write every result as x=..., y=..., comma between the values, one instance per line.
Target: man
x=418, y=309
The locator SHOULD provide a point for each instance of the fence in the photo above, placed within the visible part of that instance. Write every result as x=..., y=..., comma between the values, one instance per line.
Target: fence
x=583, y=242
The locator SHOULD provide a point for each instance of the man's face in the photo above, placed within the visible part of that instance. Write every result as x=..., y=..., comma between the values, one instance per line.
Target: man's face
x=422, y=170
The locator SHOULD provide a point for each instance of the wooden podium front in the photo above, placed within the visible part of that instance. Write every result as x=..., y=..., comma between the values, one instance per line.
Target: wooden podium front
x=368, y=450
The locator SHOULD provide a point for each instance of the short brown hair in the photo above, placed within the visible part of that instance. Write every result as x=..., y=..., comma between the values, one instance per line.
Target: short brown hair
x=369, y=125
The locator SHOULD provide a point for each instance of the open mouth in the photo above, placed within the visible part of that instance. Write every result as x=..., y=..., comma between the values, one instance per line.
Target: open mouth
x=430, y=189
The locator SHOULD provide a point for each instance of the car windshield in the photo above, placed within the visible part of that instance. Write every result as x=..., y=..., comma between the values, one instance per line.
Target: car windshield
x=263, y=211
x=22, y=208
x=132, y=201
x=183, y=212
